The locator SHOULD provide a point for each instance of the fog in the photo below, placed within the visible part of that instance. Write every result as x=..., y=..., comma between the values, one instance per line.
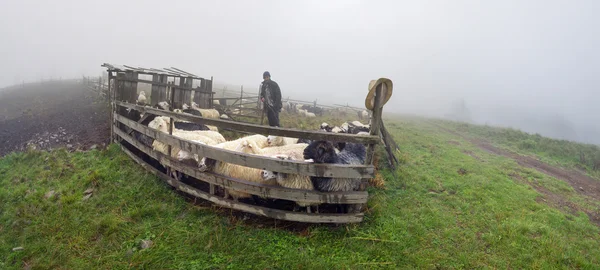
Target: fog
x=526, y=64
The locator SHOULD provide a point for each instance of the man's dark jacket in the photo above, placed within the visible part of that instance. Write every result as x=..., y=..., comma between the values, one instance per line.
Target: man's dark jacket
x=272, y=94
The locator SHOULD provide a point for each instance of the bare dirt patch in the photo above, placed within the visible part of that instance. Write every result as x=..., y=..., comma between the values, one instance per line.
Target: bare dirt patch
x=582, y=183
x=51, y=115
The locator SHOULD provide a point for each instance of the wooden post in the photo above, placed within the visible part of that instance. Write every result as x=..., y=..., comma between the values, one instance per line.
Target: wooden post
x=171, y=121
x=241, y=99
x=155, y=95
x=377, y=110
x=112, y=108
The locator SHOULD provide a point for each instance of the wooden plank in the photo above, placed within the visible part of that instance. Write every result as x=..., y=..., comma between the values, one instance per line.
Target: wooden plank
x=155, y=95
x=275, y=192
x=257, y=210
x=163, y=84
x=162, y=88
x=258, y=129
x=376, y=120
x=254, y=161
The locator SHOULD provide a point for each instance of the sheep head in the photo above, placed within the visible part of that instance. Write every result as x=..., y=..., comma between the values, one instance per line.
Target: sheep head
x=275, y=140
x=142, y=93
x=206, y=164
x=320, y=152
x=268, y=175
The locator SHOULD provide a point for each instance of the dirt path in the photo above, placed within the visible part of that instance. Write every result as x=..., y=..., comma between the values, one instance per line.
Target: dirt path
x=52, y=115
x=581, y=183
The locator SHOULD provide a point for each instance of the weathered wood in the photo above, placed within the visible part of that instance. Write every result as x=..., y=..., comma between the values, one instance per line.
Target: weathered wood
x=257, y=129
x=154, y=95
x=254, y=161
x=377, y=110
x=275, y=192
x=257, y=210
x=150, y=71
x=163, y=84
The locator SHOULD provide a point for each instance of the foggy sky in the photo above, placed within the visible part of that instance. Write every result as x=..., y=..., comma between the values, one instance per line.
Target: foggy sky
x=504, y=58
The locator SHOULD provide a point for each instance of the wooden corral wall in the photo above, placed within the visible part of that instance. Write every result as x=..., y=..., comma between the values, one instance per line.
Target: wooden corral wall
x=147, y=157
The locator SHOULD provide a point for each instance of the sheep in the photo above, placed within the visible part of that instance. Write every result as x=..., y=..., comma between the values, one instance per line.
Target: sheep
x=206, y=113
x=224, y=116
x=293, y=181
x=247, y=145
x=324, y=152
x=232, y=170
x=160, y=123
x=141, y=100
x=309, y=114
x=280, y=141
x=163, y=105
x=184, y=125
x=294, y=151
x=363, y=114
x=326, y=127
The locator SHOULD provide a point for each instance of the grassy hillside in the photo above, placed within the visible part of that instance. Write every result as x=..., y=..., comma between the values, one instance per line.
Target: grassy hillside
x=451, y=206
x=585, y=157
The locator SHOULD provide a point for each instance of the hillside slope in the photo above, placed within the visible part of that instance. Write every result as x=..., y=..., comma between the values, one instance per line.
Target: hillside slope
x=452, y=205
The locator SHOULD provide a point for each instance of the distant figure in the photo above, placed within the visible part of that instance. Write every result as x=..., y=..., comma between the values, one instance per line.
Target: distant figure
x=141, y=100
x=270, y=95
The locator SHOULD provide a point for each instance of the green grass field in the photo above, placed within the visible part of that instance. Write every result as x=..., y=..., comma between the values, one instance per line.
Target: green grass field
x=451, y=206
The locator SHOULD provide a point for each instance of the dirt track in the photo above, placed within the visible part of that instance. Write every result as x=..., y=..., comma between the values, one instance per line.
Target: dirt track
x=581, y=183
x=52, y=115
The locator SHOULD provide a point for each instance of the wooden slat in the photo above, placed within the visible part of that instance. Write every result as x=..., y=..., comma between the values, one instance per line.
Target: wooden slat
x=162, y=84
x=275, y=192
x=254, y=161
x=257, y=210
x=258, y=129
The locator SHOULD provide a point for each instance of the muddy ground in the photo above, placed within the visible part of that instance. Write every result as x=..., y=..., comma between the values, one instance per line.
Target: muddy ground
x=50, y=115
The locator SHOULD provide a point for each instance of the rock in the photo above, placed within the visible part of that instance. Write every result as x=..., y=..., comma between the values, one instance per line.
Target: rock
x=17, y=249
x=145, y=244
x=69, y=146
x=93, y=147
x=88, y=191
x=49, y=194
x=581, y=188
x=86, y=197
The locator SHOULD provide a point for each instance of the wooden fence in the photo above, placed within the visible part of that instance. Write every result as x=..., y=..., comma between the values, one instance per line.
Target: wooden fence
x=206, y=184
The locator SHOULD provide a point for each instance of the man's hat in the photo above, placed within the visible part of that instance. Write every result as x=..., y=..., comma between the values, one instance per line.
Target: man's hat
x=387, y=93
x=266, y=73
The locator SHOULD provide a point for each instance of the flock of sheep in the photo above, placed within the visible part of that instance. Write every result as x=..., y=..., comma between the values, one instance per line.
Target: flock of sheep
x=284, y=148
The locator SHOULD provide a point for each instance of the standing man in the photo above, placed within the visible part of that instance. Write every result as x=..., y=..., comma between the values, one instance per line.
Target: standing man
x=270, y=95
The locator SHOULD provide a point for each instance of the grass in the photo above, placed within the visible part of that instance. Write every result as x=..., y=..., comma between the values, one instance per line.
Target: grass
x=584, y=157
x=446, y=209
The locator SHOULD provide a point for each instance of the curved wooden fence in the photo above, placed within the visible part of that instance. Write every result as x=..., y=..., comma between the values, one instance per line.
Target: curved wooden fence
x=144, y=155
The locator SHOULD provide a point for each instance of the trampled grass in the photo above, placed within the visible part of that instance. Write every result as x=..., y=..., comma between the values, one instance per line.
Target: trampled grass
x=450, y=206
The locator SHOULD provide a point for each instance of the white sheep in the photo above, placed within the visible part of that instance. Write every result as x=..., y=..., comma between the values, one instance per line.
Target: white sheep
x=293, y=181
x=224, y=116
x=141, y=98
x=206, y=113
x=309, y=114
x=280, y=141
x=161, y=123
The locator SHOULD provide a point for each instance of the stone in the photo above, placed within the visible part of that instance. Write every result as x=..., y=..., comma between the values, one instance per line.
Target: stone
x=93, y=147
x=88, y=191
x=145, y=244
